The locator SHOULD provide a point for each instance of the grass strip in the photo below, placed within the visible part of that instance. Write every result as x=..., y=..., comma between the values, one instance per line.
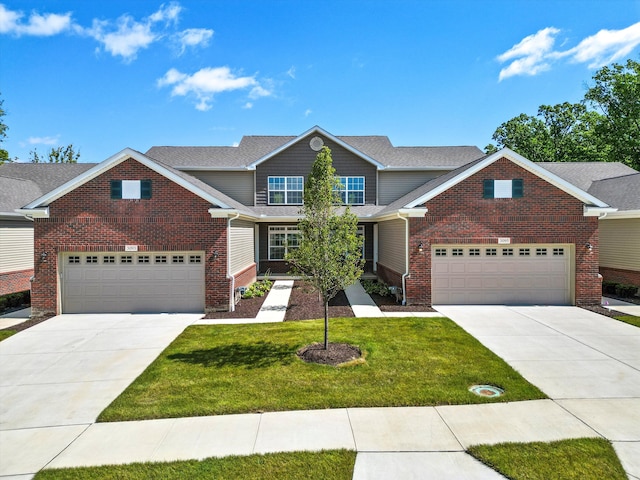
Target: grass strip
x=327, y=465
x=579, y=459
x=215, y=370
x=630, y=319
x=6, y=334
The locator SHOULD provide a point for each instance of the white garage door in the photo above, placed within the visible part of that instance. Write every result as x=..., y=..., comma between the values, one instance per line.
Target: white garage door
x=501, y=275
x=134, y=282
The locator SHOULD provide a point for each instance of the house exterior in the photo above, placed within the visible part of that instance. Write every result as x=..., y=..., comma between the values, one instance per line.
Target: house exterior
x=19, y=185
x=182, y=228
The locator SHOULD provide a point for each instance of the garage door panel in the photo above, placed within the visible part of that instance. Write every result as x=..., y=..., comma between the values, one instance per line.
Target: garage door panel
x=501, y=279
x=132, y=287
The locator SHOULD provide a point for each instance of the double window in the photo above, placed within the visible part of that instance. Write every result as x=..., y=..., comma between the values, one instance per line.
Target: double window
x=286, y=190
x=352, y=190
x=282, y=240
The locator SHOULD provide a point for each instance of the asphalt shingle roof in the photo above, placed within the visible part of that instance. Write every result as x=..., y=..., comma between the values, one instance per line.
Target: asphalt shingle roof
x=21, y=183
x=253, y=148
x=583, y=174
x=620, y=192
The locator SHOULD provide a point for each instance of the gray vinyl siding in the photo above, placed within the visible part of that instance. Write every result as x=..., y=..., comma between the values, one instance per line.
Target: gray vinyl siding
x=391, y=244
x=16, y=246
x=393, y=185
x=241, y=244
x=237, y=185
x=298, y=159
x=619, y=244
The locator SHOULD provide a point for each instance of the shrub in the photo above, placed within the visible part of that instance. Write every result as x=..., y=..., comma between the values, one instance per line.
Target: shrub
x=623, y=290
x=376, y=287
x=609, y=287
x=258, y=289
x=14, y=300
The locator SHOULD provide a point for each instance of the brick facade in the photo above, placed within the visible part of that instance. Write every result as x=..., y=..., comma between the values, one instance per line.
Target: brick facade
x=630, y=277
x=545, y=214
x=87, y=219
x=14, y=282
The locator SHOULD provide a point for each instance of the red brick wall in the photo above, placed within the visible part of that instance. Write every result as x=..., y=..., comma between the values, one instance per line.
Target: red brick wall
x=630, y=277
x=87, y=219
x=545, y=214
x=13, y=282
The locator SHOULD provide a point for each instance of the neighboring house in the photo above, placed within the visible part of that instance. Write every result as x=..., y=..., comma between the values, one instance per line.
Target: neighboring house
x=21, y=183
x=181, y=228
x=619, y=232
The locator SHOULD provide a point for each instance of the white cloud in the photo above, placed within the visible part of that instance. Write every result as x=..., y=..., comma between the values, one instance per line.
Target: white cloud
x=606, y=46
x=292, y=72
x=207, y=82
x=168, y=14
x=43, y=140
x=194, y=37
x=308, y=112
x=530, y=54
x=248, y=106
x=535, y=53
x=44, y=25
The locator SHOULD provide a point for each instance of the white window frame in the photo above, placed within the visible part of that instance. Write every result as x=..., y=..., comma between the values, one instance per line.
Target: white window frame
x=286, y=190
x=345, y=191
x=287, y=230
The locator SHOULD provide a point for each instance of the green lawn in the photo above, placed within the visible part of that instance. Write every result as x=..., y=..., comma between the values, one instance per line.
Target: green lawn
x=6, y=334
x=629, y=319
x=326, y=465
x=224, y=369
x=578, y=459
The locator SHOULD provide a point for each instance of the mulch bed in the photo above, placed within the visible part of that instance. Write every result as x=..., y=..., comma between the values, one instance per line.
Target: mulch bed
x=246, y=308
x=305, y=305
x=29, y=323
x=389, y=304
x=602, y=311
x=335, y=354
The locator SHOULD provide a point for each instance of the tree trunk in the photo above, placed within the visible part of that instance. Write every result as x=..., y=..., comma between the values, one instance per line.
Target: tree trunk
x=326, y=324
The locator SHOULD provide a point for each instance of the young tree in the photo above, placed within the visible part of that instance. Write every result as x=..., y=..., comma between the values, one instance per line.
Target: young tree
x=57, y=155
x=329, y=255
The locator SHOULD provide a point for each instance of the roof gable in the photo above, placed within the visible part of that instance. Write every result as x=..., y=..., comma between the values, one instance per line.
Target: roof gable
x=319, y=131
x=441, y=184
x=188, y=182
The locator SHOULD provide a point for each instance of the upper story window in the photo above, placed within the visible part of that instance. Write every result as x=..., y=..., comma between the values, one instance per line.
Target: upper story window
x=352, y=191
x=286, y=190
x=130, y=189
x=503, y=188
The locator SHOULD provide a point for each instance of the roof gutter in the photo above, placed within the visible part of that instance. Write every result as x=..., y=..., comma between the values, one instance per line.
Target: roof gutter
x=33, y=212
x=592, y=211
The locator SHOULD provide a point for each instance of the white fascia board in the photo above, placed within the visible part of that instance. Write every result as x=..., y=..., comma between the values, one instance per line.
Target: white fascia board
x=226, y=213
x=34, y=213
x=403, y=212
x=283, y=219
x=621, y=214
x=320, y=131
x=448, y=168
x=200, y=168
x=591, y=211
x=522, y=162
x=112, y=162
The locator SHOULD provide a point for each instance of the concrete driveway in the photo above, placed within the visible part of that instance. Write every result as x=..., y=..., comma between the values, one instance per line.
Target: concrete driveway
x=56, y=378
x=588, y=363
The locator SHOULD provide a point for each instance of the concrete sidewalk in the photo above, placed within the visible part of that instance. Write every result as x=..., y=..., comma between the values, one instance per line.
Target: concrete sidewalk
x=627, y=308
x=363, y=306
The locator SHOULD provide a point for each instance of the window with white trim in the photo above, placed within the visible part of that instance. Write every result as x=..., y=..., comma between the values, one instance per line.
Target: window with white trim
x=285, y=190
x=558, y=252
x=130, y=189
x=92, y=259
x=491, y=252
x=474, y=252
x=108, y=259
x=507, y=252
x=281, y=240
x=456, y=252
x=126, y=259
x=74, y=259
x=541, y=252
x=352, y=190
x=441, y=252
x=524, y=252
x=503, y=188
x=143, y=259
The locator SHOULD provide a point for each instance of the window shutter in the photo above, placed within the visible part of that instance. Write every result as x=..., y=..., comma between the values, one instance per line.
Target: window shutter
x=145, y=189
x=487, y=190
x=116, y=189
x=517, y=188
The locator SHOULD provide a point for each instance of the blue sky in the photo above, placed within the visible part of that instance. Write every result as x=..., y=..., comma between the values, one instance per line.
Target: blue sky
x=105, y=75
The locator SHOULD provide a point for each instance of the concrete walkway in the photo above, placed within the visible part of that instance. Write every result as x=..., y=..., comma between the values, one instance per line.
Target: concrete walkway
x=364, y=307
x=621, y=306
x=14, y=318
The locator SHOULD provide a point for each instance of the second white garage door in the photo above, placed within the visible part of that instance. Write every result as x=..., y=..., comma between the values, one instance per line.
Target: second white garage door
x=136, y=282
x=501, y=275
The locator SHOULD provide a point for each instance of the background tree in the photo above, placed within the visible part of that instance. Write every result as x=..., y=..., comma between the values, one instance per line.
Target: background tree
x=4, y=155
x=616, y=93
x=329, y=255
x=574, y=132
x=56, y=155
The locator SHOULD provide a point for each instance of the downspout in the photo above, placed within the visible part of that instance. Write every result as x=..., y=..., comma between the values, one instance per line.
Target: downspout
x=405, y=275
x=232, y=301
